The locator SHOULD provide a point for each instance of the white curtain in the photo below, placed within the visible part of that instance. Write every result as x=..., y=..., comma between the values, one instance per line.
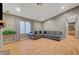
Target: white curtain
x=28, y=27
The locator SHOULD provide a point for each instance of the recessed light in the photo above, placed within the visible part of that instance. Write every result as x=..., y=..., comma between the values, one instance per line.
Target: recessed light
x=42, y=18
x=62, y=7
x=18, y=9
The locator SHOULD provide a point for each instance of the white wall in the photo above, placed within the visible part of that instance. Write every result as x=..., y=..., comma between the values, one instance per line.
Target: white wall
x=9, y=21
x=78, y=28
x=13, y=22
x=55, y=24
x=58, y=23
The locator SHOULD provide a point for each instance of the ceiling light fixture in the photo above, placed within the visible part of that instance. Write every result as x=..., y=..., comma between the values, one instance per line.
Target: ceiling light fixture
x=42, y=18
x=39, y=4
x=18, y=9
x=62, y=7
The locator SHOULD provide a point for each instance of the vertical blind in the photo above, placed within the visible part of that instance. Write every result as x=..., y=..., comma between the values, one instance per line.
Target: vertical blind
x=25, y=27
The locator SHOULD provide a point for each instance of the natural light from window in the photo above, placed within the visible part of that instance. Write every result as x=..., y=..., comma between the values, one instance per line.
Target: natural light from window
x=25, y=27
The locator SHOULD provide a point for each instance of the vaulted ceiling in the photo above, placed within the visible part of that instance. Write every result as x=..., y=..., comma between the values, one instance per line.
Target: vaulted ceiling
x=37, y=11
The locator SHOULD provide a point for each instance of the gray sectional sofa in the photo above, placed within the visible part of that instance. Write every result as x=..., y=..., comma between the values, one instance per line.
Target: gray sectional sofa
x=54, y=35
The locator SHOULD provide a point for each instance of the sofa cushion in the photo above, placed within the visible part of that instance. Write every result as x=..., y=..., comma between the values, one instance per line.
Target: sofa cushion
x=35, y=32
x=57, y=33
x=31, y=33
x=44, y=32
x=52, y=33
x=40, y=32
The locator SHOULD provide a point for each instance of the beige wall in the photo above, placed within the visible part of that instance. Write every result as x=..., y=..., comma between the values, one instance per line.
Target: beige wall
x=36, y=26
x=58, y=23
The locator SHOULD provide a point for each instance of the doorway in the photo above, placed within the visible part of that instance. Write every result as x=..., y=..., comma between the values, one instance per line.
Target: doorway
x=71, y=28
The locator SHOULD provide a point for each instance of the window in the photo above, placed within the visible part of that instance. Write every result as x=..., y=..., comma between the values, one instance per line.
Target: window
x=25, y=27
x=28, y=27
x=22, y=27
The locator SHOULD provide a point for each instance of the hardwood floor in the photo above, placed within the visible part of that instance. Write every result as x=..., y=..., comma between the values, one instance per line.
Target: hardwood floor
x=44, y=46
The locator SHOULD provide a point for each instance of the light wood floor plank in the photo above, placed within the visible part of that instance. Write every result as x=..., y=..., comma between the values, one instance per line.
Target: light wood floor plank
x=44, y=46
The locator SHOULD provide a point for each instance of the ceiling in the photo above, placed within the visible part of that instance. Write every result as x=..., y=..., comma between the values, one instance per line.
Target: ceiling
x=39, y=12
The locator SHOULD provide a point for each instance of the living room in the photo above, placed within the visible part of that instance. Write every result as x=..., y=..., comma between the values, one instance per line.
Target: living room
x=30, y=26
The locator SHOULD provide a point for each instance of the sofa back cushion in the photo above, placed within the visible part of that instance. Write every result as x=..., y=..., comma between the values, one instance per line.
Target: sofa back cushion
x=44, y=32
x=57, y=33
x=40, y=32
x=35, y=32
x=52, y=32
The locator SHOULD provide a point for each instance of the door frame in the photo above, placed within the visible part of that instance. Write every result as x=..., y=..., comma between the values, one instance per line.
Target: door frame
x=76, y=26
